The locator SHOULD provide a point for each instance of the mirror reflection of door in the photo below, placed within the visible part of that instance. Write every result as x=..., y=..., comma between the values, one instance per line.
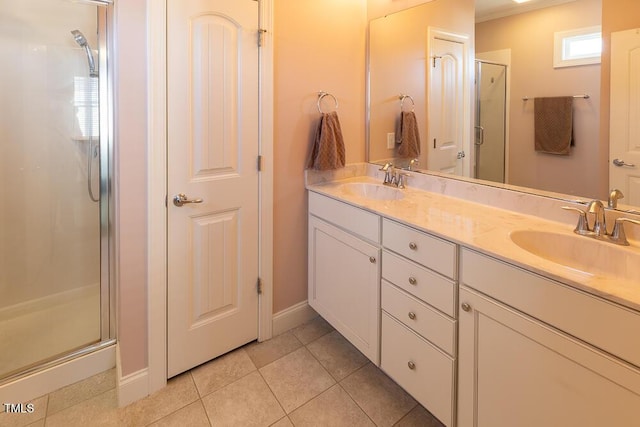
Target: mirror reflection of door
x=446, y=114
x=490, y=123
x=624, y=131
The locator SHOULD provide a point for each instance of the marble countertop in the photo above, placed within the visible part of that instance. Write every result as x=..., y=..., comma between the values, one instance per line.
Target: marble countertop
x=487, y=229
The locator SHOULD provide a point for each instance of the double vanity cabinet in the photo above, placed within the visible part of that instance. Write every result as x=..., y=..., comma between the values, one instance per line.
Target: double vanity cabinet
x=474, y=339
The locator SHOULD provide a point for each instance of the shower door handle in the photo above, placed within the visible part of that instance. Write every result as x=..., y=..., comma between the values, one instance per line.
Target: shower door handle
x=181, y=199
x=480, y=141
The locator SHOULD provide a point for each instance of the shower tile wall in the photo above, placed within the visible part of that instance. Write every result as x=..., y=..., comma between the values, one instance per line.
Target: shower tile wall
x=49, y=228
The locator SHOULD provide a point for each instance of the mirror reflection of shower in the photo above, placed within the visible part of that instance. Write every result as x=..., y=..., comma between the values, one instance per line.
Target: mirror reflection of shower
x=86, y=102
x=490, y=123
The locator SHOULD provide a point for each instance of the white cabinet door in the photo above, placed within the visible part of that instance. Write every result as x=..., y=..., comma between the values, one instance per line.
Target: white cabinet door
x=516, y=371
x=344, y=281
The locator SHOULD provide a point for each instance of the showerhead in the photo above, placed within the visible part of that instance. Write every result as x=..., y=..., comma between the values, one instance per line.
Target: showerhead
x=79, y=38
x=82, y=42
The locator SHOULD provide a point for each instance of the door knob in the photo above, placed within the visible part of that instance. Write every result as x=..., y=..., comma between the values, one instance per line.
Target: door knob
x=181, y=199
x=621, y=163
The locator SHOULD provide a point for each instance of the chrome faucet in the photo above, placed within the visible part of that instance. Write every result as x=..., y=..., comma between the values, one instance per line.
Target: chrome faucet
x=389, y=174
x=614, y=195
x=413, y=162
x=599, y=230
x=596, y=207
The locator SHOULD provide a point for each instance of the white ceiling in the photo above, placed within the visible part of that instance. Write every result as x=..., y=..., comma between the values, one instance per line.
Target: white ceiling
x=493, y=9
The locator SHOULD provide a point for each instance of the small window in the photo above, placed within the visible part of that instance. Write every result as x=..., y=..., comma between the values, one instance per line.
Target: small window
x=577, y=47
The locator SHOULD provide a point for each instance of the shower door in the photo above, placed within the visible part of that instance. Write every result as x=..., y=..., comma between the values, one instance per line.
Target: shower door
x=53, y=199
x=491, y=96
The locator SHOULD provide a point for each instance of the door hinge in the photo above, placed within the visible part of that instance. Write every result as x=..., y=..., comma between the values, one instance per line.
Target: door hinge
x=434, y=143
x=261, y=36
x=259, y=286
x=259, y=163
x=434, y=60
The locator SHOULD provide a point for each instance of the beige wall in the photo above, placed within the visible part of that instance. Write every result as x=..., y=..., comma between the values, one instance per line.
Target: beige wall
x=130, y=176
x=532, y=74
x=378, y=8
x=319, y=45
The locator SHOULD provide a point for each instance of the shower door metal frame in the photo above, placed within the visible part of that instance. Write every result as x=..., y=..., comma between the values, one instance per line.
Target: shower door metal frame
x=107, y=251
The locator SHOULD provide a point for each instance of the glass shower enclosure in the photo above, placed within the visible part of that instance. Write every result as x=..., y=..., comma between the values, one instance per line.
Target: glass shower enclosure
x=54, y=165
x=491, y=110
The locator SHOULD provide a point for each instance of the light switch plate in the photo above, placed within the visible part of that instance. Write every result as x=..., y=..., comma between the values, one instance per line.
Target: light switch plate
x=391, y=140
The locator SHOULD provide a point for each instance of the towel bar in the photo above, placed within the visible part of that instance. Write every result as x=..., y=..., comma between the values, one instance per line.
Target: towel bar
x=402, y=97
x=321, y=95
x=584, y=96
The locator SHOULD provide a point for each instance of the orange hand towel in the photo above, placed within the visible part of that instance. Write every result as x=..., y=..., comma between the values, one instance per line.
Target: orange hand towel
x=328, y=146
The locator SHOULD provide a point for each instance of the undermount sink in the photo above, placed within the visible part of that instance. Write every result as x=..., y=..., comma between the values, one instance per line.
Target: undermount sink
x=580, y=253
x=372, y=191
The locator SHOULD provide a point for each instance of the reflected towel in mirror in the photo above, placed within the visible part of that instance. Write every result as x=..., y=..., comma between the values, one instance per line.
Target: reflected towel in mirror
x=553, y=123
x=409, y=136
x=328, y=150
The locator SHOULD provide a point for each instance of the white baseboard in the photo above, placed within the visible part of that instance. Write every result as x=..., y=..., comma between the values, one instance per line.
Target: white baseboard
x=292, y=317
x=131, y=387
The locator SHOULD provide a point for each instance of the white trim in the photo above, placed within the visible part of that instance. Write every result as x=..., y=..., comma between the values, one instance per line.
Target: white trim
x=266, y=176
x=133, y=386
x=157, y=178
x=43, y=382
x=292, y=317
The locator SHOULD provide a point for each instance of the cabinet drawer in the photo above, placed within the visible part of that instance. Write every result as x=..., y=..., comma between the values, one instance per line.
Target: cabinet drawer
x=431, y=324
x=430, y=378
x=350, y=218
x=605, y=325
x=430, y=287
x=430, y=251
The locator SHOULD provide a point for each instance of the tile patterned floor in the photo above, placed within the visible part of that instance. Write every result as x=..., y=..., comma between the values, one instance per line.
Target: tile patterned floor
x=309, y=376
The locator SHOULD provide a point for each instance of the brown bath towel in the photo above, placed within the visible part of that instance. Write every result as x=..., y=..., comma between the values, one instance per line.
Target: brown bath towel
x=328, y=146
x=553, y=122
x=409, y=136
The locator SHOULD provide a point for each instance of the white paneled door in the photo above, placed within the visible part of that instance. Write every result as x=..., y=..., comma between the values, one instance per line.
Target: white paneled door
x=212, y=179
x=624, y=131
x=446, y=106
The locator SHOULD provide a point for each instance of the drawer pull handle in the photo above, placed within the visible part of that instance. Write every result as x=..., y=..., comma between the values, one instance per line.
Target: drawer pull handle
x=413, y=246
x=412, y=315
x=413, y=281
x=466, y=307
x=372, y=259
x=411, y=365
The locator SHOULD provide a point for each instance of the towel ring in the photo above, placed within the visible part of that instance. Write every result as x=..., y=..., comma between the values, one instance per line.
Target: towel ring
x=321, y=95
x=402, y=97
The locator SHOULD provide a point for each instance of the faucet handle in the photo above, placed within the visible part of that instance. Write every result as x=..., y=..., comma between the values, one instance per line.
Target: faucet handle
x=583, y=225
x=402, y=179
x=618, y=235
x=386, y=167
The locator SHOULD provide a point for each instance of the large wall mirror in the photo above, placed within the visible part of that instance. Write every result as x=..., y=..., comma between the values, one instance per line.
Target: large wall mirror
x=510, y=62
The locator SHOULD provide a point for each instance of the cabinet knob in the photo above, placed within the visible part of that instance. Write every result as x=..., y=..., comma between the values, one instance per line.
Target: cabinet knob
x=413, y=246
x=372, y=259
x=413, y=280
x=412, y=315
x=411, y=365
x=466, y=307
